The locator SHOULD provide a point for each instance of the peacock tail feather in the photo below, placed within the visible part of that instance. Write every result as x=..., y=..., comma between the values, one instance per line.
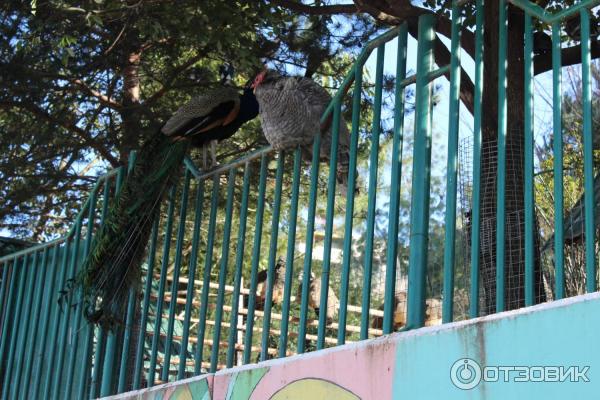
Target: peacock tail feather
x=113, y=266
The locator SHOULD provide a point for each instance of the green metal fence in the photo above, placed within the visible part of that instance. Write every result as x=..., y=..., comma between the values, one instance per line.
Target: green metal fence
x=203, y=303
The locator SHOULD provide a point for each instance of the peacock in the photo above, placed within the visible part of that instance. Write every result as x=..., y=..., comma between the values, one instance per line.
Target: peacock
x=113, y=265
x=290, y=113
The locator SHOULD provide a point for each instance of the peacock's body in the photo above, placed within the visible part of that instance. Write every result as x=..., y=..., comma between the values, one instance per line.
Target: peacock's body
x=113, y=265
x=290, y=113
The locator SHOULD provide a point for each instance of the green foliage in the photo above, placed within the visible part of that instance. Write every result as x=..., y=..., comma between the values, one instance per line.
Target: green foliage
x=83, y=83
x=573, y=184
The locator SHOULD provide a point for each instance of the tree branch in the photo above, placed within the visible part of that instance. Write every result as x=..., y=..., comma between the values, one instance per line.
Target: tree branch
x=174, y=75
x=316, y=10
x=396, y=12
x=570, y=56
x=76, y=82
x=82, y=134
x=442, y=57
x=103, y=99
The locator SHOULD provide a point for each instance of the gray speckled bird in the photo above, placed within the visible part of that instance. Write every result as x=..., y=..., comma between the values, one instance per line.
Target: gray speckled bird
x=290, y=110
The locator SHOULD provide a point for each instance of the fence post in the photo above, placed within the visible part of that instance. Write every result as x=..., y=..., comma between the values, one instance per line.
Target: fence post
x=419, y=215
x=111, y=340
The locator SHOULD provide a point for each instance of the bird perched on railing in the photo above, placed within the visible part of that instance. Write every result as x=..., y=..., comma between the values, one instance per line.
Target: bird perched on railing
x=314, y=297
x=213, y=116
x=290, y=113
x=113, y=265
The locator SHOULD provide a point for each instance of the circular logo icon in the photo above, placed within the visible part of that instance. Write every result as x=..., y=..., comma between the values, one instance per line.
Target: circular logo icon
x=465, y=373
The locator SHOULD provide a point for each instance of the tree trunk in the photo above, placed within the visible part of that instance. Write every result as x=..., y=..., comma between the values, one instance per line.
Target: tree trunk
x=131, y=121
x=515, y=209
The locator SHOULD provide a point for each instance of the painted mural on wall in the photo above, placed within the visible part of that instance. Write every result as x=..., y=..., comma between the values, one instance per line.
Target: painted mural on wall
x=198, y=388
x=420, y=364
x=368, y=375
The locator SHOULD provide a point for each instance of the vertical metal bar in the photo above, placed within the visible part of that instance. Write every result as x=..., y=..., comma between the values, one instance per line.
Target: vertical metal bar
x=139, y=354
x=528, y=127
x=111, y=337
x=330, y=211
x=310, y=234
x=98, y=363
x=214, y=358
x=208, y=262
x=161, y=287
x=126, y=342
x=588, y=153
x=176, y=272
x=501, y=184
x=239, y=261
x=66, y=329
x=20, y=326
x=260, y=208
x=347, y=251
x=16, y=328
x=13, y=293
x=101, y=334
x=272, y=256
x=419, y=213
x=289, y=260
x=33, y=280
x=130, y=313
x=476, y=206
x=371, y=208
x=40, y=289
x=395, y=183
x=451, y=170
x=193, y=262
x=56, y=323
x=3, y=290
x=86, y=329
x=44, y=333
x=37, y=353
x=4, y=310
x=558, y=161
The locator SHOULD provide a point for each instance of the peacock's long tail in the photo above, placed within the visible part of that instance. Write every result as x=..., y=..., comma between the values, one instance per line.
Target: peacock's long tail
x=113, y=266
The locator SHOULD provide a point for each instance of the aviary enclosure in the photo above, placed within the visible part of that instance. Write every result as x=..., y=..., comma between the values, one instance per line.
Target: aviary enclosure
x=265, y=257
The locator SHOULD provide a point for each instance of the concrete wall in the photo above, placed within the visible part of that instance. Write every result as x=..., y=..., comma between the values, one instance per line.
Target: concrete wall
x=545, y=352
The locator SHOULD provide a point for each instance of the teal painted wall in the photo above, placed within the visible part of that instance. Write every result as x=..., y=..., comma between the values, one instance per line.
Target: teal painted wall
x=563, y=333
x=418, y=364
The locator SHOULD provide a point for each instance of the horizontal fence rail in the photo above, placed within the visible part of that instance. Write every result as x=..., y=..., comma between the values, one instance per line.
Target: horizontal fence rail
x=268, y=256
